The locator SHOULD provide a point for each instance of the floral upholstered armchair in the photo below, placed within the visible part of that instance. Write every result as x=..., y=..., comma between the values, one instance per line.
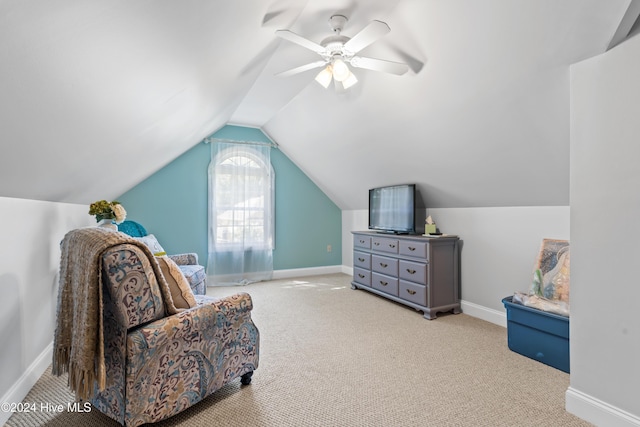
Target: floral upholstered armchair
x=157, y=360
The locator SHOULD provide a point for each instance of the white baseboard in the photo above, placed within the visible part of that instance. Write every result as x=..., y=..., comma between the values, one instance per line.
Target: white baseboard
x=27, y=380
x=310, y=271
x=596, y=411
x=484, y=313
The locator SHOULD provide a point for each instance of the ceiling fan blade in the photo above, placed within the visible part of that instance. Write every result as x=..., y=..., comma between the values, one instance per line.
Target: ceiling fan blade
x=366, y=36
x=391, y=67
x=293, y=37
x=302, y=68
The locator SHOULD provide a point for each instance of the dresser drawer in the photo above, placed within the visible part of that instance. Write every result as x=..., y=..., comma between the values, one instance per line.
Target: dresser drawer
x=362, y=242
x=362, y=260
x=384, y=244
x=362, y=276
x=384, y=265
x=413, y=271
x=413, y=292
x=414, y=249
x=384, y=283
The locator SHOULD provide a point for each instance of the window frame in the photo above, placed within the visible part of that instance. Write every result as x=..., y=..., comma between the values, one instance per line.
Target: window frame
x=249, y=155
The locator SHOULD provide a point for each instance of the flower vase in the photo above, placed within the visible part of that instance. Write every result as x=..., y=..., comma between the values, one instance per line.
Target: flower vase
x=108, y=223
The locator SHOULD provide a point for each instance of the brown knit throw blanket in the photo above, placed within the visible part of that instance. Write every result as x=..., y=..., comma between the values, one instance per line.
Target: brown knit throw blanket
x=78, y=346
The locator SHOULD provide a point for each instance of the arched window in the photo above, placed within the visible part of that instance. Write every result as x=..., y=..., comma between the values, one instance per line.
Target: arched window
x=240, y=213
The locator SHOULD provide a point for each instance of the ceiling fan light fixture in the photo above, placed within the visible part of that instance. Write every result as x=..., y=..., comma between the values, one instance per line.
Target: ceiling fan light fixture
x=349, y=81
x=337, y=51
x=324, y=77
x=340, y=70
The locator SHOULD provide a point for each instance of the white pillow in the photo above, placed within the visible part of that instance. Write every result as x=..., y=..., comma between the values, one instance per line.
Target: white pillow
x=152, y=243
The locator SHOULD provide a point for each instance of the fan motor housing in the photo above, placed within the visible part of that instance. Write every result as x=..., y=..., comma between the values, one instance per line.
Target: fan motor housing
x=334, y=43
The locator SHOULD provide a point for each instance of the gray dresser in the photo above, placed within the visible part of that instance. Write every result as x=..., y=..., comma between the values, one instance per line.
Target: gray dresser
x=421, y=272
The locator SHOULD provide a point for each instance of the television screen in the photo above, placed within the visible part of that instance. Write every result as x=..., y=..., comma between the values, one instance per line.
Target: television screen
x=392, y=209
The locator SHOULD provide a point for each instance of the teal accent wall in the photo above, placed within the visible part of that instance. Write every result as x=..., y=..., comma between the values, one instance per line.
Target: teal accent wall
x=172, y=205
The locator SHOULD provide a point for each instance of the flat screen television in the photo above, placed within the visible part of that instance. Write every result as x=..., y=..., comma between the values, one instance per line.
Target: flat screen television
x=392, y=209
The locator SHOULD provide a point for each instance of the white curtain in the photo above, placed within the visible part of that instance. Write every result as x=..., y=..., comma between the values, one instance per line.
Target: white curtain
x=241, y=222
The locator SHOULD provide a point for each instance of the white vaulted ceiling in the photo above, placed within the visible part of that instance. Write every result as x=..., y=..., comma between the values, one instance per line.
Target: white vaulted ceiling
x=96, y=96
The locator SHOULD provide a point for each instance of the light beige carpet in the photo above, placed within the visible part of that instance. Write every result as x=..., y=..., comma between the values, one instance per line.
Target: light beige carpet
x=333, y=356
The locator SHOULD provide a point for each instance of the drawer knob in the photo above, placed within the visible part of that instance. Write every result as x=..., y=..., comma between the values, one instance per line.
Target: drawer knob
x=410, y=271
x=383, y=265
x=412, y=249
x=376, y=243
x=411, y=291
x=360, y=275
x=391, y=245
x=361, y=241
x=361, y=259
x=384, y=283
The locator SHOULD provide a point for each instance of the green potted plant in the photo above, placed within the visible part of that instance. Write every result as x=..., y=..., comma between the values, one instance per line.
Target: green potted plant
x=107, y=213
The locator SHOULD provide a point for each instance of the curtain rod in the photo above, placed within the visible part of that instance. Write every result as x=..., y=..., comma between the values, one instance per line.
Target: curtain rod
x=234, y=141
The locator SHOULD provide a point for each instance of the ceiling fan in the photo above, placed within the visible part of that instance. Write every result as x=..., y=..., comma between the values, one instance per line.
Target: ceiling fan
x=337, y=51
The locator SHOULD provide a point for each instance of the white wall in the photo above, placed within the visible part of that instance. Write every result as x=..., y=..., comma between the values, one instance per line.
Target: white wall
x=499, y=247
x=605, y=224
x=30, y=235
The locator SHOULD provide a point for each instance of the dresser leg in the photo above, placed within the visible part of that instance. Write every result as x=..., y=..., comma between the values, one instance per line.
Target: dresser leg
x=429, y=316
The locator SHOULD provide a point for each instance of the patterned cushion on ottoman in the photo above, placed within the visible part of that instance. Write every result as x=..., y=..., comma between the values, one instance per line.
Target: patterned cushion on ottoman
x=196, y=276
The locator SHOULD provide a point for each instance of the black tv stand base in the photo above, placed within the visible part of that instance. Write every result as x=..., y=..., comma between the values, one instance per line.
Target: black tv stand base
x=396, y=233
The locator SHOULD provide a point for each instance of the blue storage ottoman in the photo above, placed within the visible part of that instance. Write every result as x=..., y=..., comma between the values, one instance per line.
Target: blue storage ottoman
x=538, y=335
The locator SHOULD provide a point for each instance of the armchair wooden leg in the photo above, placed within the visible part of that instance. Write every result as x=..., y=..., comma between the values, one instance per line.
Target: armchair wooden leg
x=246, y=378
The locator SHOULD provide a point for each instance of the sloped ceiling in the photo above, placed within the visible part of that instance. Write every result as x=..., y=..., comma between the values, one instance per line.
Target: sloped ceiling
x=96, y=96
